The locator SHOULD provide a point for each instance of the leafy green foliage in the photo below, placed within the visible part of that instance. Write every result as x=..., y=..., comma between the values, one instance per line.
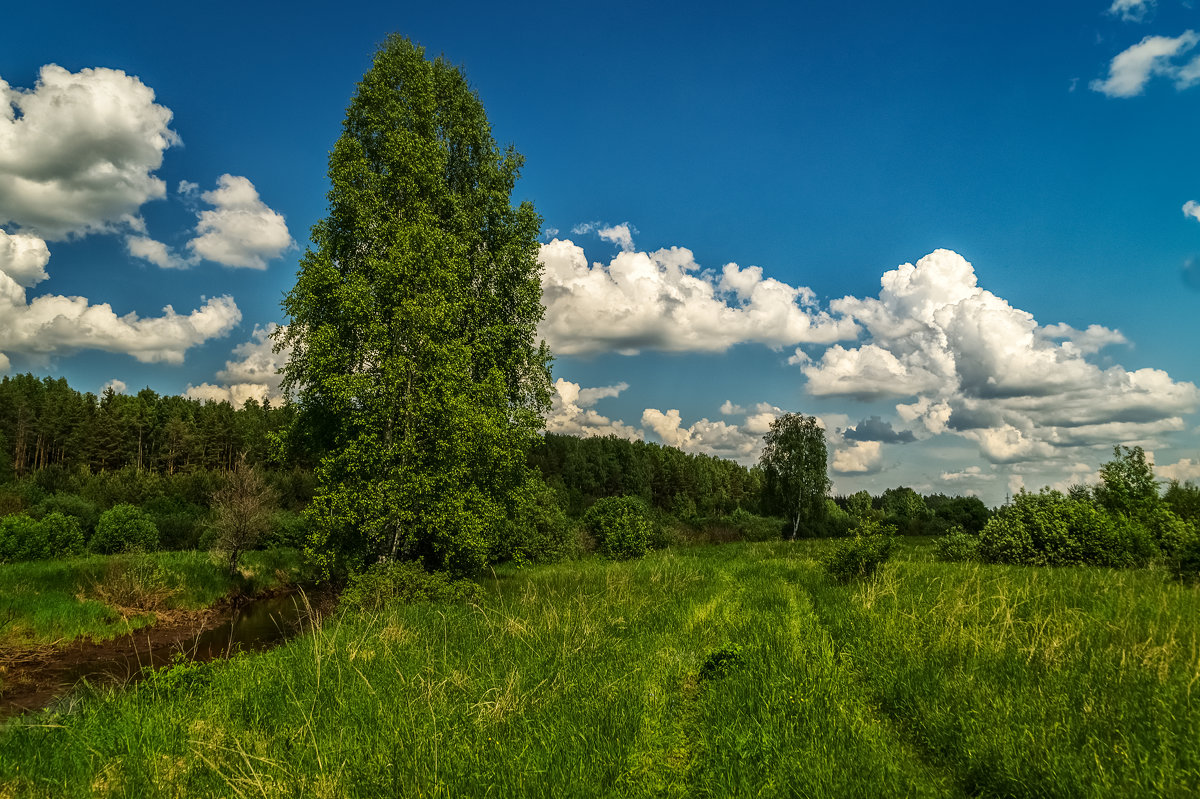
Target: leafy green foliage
x=21, y=538
x=63, y=535
x=957, y=546
x=795, y=471
x=1127, y=485
x=405, y=582
x=1185, y=563
x=182, y=676
x=412, y=328
x=124, y=528
x=861, y=556
x=538, y=531
x=721, y=662
x=1184, y=500
x=622, y=527
x=1051, y=529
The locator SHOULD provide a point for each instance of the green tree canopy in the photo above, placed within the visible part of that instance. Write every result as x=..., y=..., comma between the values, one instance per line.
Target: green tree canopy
x=412, y=326
x=794, y=463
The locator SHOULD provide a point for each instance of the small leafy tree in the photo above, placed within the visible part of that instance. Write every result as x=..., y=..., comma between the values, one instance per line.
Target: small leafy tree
x=1127, y=484
x=124, y=528
x=622, y=526
x=794, y=462
x=243, y=513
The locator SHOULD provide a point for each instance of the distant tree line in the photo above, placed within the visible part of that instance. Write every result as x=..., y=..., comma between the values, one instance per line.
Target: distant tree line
x=44, y=423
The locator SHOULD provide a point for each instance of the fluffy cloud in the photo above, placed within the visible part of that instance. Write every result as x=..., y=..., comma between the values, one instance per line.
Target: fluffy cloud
x=662, y=300
x=1192, y=208
x=23, y=258
x=118, y=386
x=877, y=429
x=253, y=372
x=153, y=251
x=704, y=437
x=77, y=151
x=240, y=230
x=860, y=457
x=1182, y=470
x=1131, y=10
x=975, y=365
x=56, y=325
x=1133, y=68
x=969, y=474
x=571, y=412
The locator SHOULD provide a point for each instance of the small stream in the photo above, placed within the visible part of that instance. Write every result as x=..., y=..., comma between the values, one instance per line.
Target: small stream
x=258, y=625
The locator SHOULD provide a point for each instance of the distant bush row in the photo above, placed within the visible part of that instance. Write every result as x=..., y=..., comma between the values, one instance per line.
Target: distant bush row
x=1122, y=522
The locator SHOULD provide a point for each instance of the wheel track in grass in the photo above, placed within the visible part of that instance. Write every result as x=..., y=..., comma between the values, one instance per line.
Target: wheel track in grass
x=902, y=728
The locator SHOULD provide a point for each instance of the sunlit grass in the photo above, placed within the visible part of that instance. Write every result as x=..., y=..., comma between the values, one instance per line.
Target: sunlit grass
x=582, y=679
x=54, y=601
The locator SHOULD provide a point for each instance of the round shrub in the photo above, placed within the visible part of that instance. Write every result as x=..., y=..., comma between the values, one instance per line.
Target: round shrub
x=81, y=509
x=21, y=538
x=124, y=528
x=957, y=546
x=622, y=526
x=403, y=582
x=862, y=555
x=63, y=535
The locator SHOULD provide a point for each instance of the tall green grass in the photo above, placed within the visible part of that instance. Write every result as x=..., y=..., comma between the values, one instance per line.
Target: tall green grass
x=583, y=679
x=54, y=601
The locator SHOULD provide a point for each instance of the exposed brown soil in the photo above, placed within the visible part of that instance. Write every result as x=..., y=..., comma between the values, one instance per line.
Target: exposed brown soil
x=31, y=678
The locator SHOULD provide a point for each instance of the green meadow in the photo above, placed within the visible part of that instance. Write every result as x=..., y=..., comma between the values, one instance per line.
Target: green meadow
x=734, y=670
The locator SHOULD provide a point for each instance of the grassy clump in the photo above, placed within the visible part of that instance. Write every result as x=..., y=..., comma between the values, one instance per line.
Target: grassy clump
x=863, y=555
x=392, y=582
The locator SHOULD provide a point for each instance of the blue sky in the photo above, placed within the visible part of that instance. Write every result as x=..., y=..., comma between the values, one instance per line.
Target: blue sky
x=1042, y=158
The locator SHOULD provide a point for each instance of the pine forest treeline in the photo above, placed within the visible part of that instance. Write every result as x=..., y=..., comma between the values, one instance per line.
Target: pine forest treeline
x=44, y=422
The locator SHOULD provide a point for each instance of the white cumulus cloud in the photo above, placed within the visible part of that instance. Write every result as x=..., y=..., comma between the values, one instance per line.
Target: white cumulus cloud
x=240, y=229
x=1183, y=470
x=571, y=412
x=252, y=373
x=77, y=151
x=663, y=301
x=858, y=457
x=968, y=362
x=23, y=258
x=56, y=325
x=1133, y=68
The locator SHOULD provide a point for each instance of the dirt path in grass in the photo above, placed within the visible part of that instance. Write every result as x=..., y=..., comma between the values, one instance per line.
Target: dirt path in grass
x=31, y=679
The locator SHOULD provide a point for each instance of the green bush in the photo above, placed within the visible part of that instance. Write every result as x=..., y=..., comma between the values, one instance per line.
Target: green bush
x=391, y=582
x=861, y=556
x=63, y=535
x=288, y=529
x=537, y=531
x=21, y=538
x=80, y=508
x=957, y=546
x=1185, y=563
x=124, y=528
x=621, y=526
x=1050, y=529
x=180, y=523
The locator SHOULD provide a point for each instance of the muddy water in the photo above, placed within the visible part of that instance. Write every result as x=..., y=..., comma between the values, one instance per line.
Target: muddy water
x=257, y=625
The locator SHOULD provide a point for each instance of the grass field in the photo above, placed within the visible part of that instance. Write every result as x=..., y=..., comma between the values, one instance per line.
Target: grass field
x=104, y=596
x=583, y=679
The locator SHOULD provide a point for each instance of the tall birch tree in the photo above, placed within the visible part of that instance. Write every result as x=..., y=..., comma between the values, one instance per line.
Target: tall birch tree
x=412, y=327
